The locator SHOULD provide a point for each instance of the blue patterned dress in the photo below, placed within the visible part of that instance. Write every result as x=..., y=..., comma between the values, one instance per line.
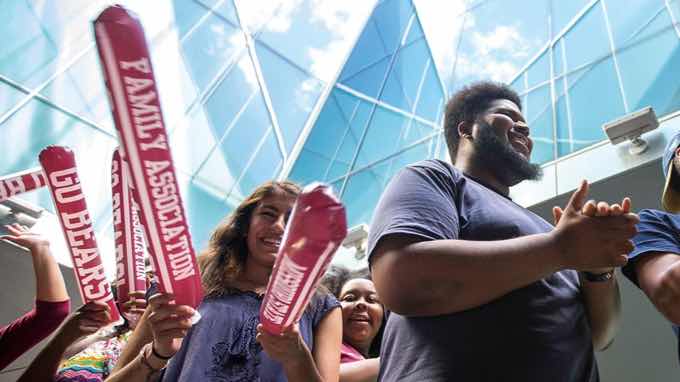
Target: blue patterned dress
x=222, y=346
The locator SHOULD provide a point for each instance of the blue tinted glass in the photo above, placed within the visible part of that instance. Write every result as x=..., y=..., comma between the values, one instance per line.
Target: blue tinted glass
x=187, y=14
x=538, y=113
x=411, y=155
x=415, y=33
x=204, y=211
x=264, y=167
x=443, y=153
x=369, y=80
x=558, y=58
x=518, y=84
x=392, y=18
x=563, y=12
x=224, y=8
x=565, y=141
x=649, y=67
x=496, y=48
x=407, y=72
x=48, y=126
x=587, y=40
x=415, y=131
x=317, y=32
x=210, y=48
x=292, y=91
x=368, y=50
x=595, y=82
x=382, y=137
x=362, y=192
x=192, y=141
x=309, y=166
x=230, y=96
x=431, y=99
x=226, y=164
x=9, y=97
x=626, y=22
x=350, y=142
x=539, y=71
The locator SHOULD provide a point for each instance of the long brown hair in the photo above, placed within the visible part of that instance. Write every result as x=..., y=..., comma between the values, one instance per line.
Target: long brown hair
x=224, y=259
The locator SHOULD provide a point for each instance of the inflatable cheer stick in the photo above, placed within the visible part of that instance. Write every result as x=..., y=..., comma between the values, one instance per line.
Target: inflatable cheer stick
x=130, y=267
x=59, y=166
x=137, y=114
x=314, y=232
x=21, y=182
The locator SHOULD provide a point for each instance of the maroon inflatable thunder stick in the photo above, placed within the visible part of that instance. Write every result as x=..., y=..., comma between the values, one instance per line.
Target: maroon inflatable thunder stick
x=130, y=268
x=137, y=114
x=17, y=183
x=60, y=170
x=314, y=232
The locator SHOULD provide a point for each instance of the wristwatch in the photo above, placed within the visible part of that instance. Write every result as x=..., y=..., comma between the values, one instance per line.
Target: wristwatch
x=597, y=277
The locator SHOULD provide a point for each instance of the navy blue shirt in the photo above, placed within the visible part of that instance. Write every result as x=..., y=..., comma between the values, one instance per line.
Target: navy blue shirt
x=658, y=231
x=536, y=333
x=222, y=346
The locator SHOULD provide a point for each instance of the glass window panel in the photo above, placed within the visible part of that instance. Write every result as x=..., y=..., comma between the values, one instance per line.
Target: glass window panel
x=264, y=167
x=415, y=131
x=319, y=36
x=415, y=33
x=626, y=21
x=224, y=8
x=192, y=141
x=587, y=41
x=496, y=49
x=231, y=94
x=563, y=12
x=539, y=71
x=404, y=79
x=309, y=166
x=649, y=67
x=255, y=14
x=518, y=83
x=350, y=142
x=382, y=136
x=443, y=153
x=431, y=99
x=9, y=97
x=370, y=80
x=210, y=48
x=48, y=126
x=392, y=18
x=186, y=15
x=595, y=82
x=368, y=50
x=414, y=154
x=226, y=164
x=558, y=58
x=565, y=142
x=293, y=93
x=204, y=211
x=362, y=193
x=538, y=113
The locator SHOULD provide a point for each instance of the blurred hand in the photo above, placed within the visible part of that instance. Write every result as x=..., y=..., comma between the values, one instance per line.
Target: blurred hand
x=86, y=320
x=288, y=348
x=134, y=307
x=170, y=323
x=593, y=237
x=21, y=235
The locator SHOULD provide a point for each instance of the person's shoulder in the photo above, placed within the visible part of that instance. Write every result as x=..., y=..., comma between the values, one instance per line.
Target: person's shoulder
x=435, y=165
x=650, y=216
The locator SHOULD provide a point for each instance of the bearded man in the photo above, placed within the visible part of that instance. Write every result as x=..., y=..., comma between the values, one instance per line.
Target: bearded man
x=480, y=288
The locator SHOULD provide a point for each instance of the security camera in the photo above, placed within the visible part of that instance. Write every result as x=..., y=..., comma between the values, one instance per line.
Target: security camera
x=356, y=238
x=631, y=127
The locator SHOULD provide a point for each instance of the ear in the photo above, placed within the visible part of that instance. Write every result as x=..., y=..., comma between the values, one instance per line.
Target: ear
x=464, y=129
x=677, y=151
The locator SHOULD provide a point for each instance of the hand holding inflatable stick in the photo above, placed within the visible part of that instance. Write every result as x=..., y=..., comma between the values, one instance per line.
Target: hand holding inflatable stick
x=314, y=232
x=136, y=110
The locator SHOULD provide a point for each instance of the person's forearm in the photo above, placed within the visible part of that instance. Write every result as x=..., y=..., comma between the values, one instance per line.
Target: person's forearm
x=303, y=371
x=603, y=305
x=429, y=278
x=360, y=371
x=134, y=371
x=50, y=284
x=45, y=365
x=141, y=336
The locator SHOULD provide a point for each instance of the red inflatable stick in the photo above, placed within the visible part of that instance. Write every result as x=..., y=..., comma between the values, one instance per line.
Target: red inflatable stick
x=21, y=182
x=62, y=179
x=130, y=268
x=315, y=230
x=136, y=110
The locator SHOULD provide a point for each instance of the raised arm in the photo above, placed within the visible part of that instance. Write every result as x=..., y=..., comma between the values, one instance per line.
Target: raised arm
x=423, y=278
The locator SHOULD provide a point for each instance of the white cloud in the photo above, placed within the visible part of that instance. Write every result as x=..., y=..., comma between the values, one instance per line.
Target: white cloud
x=273, y=15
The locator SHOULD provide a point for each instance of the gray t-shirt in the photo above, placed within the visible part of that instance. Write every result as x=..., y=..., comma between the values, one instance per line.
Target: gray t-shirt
x=537, y=333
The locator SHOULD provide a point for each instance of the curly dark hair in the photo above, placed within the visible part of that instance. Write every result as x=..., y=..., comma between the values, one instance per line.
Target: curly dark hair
x=335, y=278
x=468, y=104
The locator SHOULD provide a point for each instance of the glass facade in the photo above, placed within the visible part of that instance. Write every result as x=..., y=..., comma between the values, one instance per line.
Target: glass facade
x=345, y=92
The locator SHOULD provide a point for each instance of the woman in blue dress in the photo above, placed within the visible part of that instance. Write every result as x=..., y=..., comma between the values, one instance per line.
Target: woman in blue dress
x=228, y=344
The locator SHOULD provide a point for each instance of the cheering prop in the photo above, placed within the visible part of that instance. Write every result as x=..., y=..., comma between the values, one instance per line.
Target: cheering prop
x=21, y=182
x=130, y=267
x=59, y=166
x=136, y=110
x=315, y=230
